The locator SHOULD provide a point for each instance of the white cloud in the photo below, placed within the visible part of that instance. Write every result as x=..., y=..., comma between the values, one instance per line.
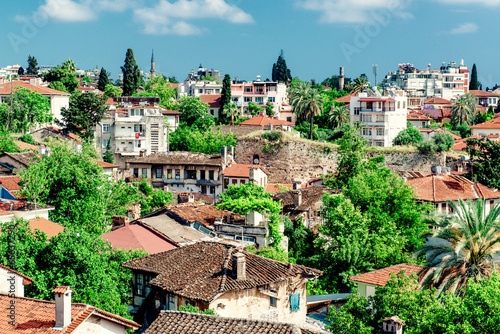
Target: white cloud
x=171, y=17
x=465, y=28
x=472, y=2
x=355, y=11
x=68, y=10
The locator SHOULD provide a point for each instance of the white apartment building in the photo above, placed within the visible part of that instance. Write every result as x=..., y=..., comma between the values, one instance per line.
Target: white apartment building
x=198, y=88
x=380, y=118
x=447, y=82
x=259, y=92
x=9, y=70
x=137, y=127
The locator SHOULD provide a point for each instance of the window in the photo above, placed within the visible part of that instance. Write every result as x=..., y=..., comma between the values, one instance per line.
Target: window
x=366, y=118
x=356, y=111
x=136, y=112
x=202, y=175
x=136, y=172
x=259, y=100
x=272, y=301
x=177, y=174
x=168, y=302
x=367, y=131
x=212, y=190
x=137, y=143
x=247, y=99
x=294, y=302
x=210, y=174
x=226, y=183
x=138, y=128
x=147, y=287
x=139, y=285
x=443, y=207
x=271, y=99
x=190, y=174
x=380, y=132
x=234, y=182
x=492, y=204
x=145, y=173
x=203, y=189
x=289, y=119
x=105, y=142
x=105, y=128
x=169, y=173
x=159, y=173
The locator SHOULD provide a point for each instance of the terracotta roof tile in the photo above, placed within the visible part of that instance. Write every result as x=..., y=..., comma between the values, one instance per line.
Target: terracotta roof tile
x=415, y=116
x=213, y=100
x=50, y=228
x=25, y=146
x=105, y=164
x=241, y=170
x=436, y=100
x=175, y=322
x=481, y=93
x=180, y=158
x=5, y=88
x=203, y=270
x=346, y=98
x=382, y=276
x=441, y=188
x=26, y=279
x=264, y=121
x=25, y=158
x=10, y=182
x=491, y=124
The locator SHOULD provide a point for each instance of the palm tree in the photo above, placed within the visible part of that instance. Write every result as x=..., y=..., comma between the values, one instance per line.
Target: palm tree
x=358, y=85
x=464, y=247
x=464, y=110
x=338, y=116
x=232, y=112
x=306, y=101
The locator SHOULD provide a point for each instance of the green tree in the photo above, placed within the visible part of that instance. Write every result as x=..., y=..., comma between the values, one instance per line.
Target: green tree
x=225, y=97
x=444, y=141
x=103, y=80
x=28, y=109
x=408, y=136
x=464, y=110
x=195, y=309
x=20, y=71
x=306, y=102
x=109, y=155
x=7, y=142
x=112, y=91
x=158, y=86
x=32, y=66
x=194, y=112
x=358, y=85
x=198, y=139
x=131, y=74
x=269, y=109
x=485, y=158
x=338, y=116
x=463, y=247
x=281, y=72
x=474, y=84
x=63, y=77
x=156, y=200
x=231, y=112
x=84, y=112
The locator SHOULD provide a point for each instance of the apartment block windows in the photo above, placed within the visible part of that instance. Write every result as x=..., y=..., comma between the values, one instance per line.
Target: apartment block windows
x=271, y=99
x=136, y=112
x=356, y=111
x=380, y=132
x=367, y=131
x=106, y=128
x=202, y=175
x=211, y=174
x=144, y=173
x=247, y=99
x=190, y=174
x=138, y=128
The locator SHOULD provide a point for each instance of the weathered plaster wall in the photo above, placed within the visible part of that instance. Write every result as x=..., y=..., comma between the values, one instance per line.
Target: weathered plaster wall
x=290, y=160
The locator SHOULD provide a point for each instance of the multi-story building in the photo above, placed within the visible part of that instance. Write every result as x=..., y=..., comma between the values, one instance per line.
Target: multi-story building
x=137, y=127
x=486, y=99
x=447, y=82
x=197, y=88
x=380, y=118
x=9, y=70
x=259, y=93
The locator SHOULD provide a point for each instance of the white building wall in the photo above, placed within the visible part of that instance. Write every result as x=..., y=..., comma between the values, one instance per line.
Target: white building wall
x=11, y=287
x=57, y=102
x=475, y=132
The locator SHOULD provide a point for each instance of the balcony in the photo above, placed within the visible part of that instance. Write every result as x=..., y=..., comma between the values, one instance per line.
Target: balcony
x=207, y=182
x=377, y=109
x=173, y=180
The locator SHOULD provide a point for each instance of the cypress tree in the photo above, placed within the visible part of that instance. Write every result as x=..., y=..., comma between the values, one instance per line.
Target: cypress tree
x=474, y=84
x=103, y=80
x=131, y=74
x=281, y=73
x=225, y=97
x=32, y=66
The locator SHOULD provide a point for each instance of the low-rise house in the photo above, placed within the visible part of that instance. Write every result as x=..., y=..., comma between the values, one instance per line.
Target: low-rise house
x=238, y=174
x=218, y=276
x=36, y=316
x=137, y=235
x=51, y=133
x=174, y=322
x=418, y=120
x=57, y=98
x=368, y=282
x=213, y=102
x=430, y=133
x=10, y=183
x=46, y=226
x=12, y=282
x=304, y=203
x=491, y=127
x=486, y=99
x=109, y=169
x=441, y=187
x=460, y=144
x=267, y=123
x=13, y=208
x=16, y=162
x=171, y=120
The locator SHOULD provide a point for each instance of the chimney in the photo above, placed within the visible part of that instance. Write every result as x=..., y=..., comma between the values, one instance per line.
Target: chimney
x=231, y=152
x=190, y=198
x=239, y=266
x=252, y=176
x=298, y=198
x=41, y=150
x=63, y=306
x=393, y=325
x=270, y=126
x=119, y=221
x=296, y=185
x=223, y=154
x=325, y=169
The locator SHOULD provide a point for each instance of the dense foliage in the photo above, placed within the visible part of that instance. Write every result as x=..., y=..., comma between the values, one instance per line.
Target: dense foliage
x=63, y=77
x=441, y=142
x=485, y=157
x=131, y=74
x=409, y=136
x=103, y=80
x=194, y=139
x=225, y=98
x=32, y=66
x=281, y=72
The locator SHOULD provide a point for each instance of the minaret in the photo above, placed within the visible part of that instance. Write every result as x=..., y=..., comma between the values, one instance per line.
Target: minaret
x=153, y=69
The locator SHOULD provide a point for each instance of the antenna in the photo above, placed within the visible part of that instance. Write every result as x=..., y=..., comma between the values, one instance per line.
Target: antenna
x=375, y=72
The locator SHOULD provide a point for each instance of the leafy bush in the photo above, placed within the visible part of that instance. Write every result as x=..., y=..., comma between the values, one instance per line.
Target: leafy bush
x=463, y=130
x=272, y=135
x=409, y=136
x=27, y=138
x=444, y=141
x=427, y=147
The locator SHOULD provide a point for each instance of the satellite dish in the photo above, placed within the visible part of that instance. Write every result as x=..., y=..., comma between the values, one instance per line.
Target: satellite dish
x=256, y=161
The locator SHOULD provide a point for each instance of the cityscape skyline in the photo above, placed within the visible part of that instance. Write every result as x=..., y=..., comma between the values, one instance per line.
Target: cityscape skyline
x=244, y=38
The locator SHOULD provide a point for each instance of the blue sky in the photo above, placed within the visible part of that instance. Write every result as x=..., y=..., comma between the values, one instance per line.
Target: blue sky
x=244, y=37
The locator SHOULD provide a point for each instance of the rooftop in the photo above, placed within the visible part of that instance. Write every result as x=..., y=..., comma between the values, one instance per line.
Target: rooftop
x=10, y=182
x=203, y=270
x=415, y=116
x=310, y=196
x=24, y=158
x=264, y=121
x=26, y=279
x=180, y=158
x=382, y=276
x=50, y=228
x=436, y=100
x=5, y=89
x=441, y=188
x=241, y=170
x=481, y=93
x=175, y=322
x=172, y=229
x=213, y=100
x=491, y=124
x=105, y=164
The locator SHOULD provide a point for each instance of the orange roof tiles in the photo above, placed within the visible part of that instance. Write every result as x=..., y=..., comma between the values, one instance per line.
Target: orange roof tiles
x=436, y=100
x=415, y=116
x=60, y=289
x=382, y=276
x=346, y=98
x=213, y=100
x=264, y=120
x=35, y=316
x=481, y=93
x=241, y=170
x=442, y=188
x=491, y=124
x=25, y=146
x=136, y=236
x=105, y=164
x=26, y=279
x=10, y=182
x=50, y=228
x=5, y=89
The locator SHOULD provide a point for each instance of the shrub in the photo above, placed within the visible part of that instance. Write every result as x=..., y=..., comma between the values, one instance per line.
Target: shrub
x=272, y=135
x=444, y=141
x=27, y=138
x=427, y=147
x=410, y=136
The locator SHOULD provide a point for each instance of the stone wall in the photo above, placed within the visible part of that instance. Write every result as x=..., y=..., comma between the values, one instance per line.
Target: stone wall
x=299, y=160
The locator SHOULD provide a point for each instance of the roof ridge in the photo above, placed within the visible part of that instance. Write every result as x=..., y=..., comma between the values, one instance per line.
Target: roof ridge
x=225, y=269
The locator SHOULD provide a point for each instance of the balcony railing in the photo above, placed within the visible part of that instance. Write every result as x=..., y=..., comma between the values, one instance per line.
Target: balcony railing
x=377, y=109
x=173, y=180
x=204, y=182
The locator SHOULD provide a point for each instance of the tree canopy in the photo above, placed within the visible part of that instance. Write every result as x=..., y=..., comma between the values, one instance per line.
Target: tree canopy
x=474, y=83
x=131, y=74
x=408, y=136
x=103, y=80
x=225, y=98
x=63, y=77
x=32, y=66
x=281, y=72
x=306, y=102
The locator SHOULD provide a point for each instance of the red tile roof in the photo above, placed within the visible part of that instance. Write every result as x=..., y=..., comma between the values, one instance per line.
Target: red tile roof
x=277, y=187
x=25, y=146
x=415, y=116
x=481, y=93
x=26, y=279
x=35, y=316
x=436, y=100
x=10, y=182
x=137, y=236
x=461, y=145
x=264, y=120
x=346, y=98
x=171, y=112
x=441, y=188
x=213, y=100
x=203, y=270
x=111, y=101
x=382, y=276
x=50, y=228
x=5, y=89
x=105, y=164
x=241, y=170
x=491, y=124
